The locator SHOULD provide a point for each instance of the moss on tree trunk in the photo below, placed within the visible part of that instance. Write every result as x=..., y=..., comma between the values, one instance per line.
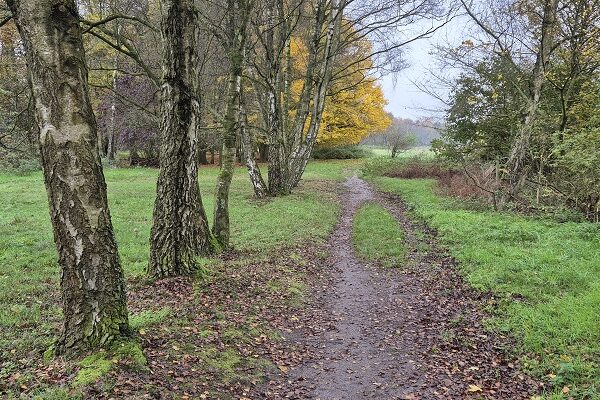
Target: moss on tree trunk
x=92, y=283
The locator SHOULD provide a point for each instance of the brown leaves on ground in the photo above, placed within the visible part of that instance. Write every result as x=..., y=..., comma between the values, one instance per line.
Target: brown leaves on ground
x=244, y=331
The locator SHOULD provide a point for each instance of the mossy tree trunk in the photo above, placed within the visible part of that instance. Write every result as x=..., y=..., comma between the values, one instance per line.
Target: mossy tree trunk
x=92, y=283
x=517, y=166
x=238, y=16
x=180, y=231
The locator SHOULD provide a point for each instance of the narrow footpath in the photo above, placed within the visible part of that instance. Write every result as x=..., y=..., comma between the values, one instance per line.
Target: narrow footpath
x=412, y=332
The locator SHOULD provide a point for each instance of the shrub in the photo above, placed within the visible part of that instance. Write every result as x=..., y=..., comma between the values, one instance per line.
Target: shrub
x=19, y=163
x=340, y=153
x=452, y=180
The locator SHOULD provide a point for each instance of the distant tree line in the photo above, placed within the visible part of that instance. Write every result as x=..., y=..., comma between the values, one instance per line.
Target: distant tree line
x=405, y=133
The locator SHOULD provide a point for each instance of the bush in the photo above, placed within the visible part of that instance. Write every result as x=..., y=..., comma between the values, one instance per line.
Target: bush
x=452, y=179
x=576, y=171
x=340, y=153
x=19, y=163
x=409, y=168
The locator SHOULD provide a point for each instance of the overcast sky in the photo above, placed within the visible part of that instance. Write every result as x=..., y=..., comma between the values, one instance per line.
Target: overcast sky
x=405, y=99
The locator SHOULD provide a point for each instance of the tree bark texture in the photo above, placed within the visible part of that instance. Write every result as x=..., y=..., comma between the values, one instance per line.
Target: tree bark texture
x=258, y=184
x=516, y=165
x=239, y=13
x=92, y=283
x=180, y=230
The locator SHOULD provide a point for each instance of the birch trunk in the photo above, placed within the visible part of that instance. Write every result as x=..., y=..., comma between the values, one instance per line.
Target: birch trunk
x=516, y=164
x=112, y=134
x=305, y=145
x=180, y=232
x=274, y=119
x=239, y=13
x=258, y=184
x=92, y=283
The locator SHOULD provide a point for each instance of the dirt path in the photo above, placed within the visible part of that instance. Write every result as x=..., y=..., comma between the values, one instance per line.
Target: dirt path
x=408, y=333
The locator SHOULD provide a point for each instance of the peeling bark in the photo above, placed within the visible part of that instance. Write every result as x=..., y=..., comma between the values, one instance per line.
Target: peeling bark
x=92, y=283
x=180, y=232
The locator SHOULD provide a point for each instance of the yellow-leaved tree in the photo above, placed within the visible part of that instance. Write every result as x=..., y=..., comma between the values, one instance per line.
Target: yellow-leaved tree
x=351, y=115
x=355, y=104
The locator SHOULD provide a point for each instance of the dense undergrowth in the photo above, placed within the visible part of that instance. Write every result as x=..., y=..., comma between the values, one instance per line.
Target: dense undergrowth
x=546, y=274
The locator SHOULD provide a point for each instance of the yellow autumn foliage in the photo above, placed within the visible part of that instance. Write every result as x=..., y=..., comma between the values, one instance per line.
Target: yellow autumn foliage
x=353, y=114
x=355, y=105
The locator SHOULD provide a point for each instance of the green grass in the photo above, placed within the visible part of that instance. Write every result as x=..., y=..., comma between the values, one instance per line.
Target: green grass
x=377, y=236
x=548, y=274
x=29, y=274
x=384, y=152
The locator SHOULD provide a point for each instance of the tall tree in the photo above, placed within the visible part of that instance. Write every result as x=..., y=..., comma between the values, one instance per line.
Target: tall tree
x=92, y=283
x=180, y=232
x=544, y=23
x=517, y=159
x=326, y=29
x=238, y=15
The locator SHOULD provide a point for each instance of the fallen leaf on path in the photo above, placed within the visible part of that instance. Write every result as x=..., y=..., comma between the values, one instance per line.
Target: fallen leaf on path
x=474, y=388
x=283, y=368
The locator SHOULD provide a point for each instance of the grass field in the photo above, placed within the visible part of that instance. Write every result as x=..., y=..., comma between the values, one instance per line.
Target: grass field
x=386, y=152
x=29, y=272
x=546, y=273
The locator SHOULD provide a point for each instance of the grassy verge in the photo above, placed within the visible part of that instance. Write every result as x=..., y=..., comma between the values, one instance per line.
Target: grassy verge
x=29, y=275
x=377, y=236
x=546, y=272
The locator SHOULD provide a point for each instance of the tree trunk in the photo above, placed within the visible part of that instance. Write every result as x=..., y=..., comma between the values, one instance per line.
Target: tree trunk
x=260, y=189
x=276, y=172
x=516, y=165
x=263, y=152
x=92, y=283
x=237, y=47
x=202, y=157
x=112, y=134
x=303, y=148
x=276, y=152
x=291, y=142
x=180, y=232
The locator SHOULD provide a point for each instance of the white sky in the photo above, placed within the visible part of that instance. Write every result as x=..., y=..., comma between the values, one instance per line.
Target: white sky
x=405, y=99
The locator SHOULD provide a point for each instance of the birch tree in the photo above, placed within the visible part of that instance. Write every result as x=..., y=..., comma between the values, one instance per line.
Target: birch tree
x=92, y=283
x=326, y=29
x=235, y=37
x=180, y=232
